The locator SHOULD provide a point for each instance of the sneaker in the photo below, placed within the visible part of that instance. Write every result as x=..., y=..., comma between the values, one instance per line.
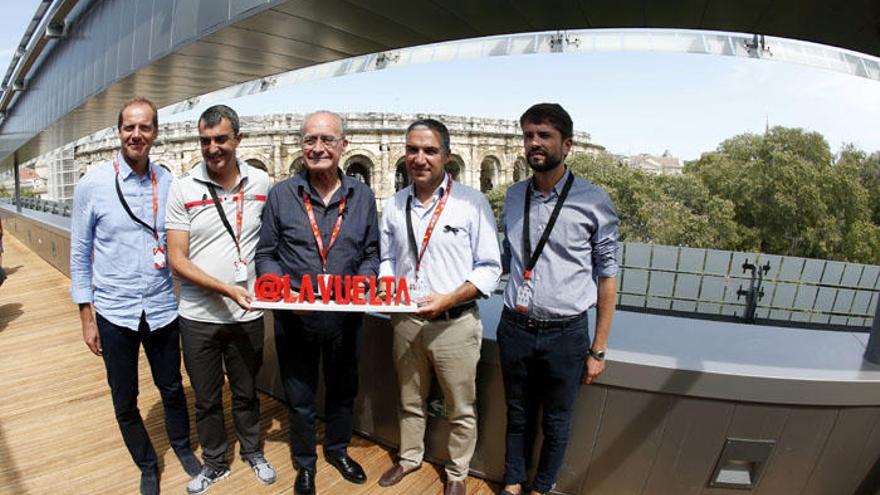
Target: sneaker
x=207, y=477
x=264, y=471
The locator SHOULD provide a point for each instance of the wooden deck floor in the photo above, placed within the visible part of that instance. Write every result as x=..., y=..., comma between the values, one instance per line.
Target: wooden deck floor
x=57, y=429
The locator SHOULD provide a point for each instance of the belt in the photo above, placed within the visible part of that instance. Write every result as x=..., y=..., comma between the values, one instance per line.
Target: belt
x=455, y=312
x=536, y=325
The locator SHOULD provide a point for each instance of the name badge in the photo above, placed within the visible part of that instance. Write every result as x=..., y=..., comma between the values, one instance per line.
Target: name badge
x=524, y=296
x=240, y=270
x=418, y=290
x=159, y=260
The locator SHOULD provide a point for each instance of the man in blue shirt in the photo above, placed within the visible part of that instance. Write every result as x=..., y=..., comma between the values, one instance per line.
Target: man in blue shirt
x=118, y=267
x=319, y=221
x=440, y=235
x=560, y=248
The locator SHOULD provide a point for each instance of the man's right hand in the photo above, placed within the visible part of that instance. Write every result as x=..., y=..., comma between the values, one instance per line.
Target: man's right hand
x=90, y=329
x=240, y=295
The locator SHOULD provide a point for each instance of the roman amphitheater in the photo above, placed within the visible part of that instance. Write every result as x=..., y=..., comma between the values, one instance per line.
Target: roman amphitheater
x=485, y=152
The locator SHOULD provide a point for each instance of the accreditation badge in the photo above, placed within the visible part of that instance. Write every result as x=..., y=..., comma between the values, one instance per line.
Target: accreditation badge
x=524, y=295
x=159, y=260
x=240, y=270
x=418, y=290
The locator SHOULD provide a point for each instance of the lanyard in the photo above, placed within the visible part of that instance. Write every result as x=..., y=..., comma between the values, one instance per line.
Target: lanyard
x=419, y=254
x=317, y=232
x=153, y=230
x=239, y=208
x=527, y=243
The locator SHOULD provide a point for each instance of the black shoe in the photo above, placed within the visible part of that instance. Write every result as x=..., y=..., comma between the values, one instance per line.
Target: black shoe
x=305, y=482
x=348, y=468
x=150, y=483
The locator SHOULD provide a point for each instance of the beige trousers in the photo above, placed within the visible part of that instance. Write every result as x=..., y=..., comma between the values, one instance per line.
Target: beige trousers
x=452, y=348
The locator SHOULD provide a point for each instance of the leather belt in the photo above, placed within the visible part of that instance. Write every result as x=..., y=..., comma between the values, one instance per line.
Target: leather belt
x=536, y=325
x=455, y=312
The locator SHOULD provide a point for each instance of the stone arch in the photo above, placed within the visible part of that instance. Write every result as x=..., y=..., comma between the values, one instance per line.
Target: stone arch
x=490, y=173
x=359, y=166
x=257, y=163
x=455, y=166
x=520, y=169
x=401, y=176
x=192, y=163
x=296, y=166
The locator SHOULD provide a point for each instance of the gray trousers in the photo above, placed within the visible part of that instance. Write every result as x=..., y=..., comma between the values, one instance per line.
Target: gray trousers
x=208, y=348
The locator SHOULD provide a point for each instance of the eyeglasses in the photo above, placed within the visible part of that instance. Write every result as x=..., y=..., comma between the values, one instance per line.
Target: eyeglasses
x=310, y=141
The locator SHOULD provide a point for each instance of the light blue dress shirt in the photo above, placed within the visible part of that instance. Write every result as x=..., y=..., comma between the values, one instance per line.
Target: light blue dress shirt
x=463, y=247
x=111, y=256
x=582, y=246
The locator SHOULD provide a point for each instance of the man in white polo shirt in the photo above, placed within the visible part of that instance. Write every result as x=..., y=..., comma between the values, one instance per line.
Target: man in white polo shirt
x=213, y=222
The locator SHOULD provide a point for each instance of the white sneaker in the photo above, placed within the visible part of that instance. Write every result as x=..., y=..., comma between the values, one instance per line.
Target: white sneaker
x=264, y=471
x=207, y=477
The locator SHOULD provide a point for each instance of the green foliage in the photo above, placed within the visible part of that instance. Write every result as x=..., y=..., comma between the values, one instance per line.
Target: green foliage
x=783, y=192
x=671, y=210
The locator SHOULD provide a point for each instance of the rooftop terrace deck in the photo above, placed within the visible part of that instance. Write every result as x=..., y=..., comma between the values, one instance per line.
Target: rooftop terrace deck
x=57, y=429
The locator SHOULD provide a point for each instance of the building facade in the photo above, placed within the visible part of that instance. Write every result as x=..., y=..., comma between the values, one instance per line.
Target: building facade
x=486, y=153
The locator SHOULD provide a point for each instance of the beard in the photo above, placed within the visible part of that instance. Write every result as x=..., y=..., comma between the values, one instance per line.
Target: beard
x=551, y=161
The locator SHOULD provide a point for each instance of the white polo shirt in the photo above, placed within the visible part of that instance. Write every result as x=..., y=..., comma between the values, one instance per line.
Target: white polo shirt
x=191, y=209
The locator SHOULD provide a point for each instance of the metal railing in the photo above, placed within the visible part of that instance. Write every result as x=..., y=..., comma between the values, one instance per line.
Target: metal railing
x=711, y=283
x=62, y=208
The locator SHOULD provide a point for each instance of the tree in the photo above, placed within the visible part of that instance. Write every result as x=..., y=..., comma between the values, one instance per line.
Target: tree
x=790, y=196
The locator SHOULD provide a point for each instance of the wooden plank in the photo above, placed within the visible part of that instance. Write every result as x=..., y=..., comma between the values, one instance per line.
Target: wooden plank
x=58, y=433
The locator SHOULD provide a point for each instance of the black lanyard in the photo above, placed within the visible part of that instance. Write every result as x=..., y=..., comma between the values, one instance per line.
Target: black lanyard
x=223, y=215
x=151, y=228
x=527, y=243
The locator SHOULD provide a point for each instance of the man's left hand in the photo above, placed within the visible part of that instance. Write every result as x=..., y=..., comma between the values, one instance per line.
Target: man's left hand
x=592, y=369
x=433, y=305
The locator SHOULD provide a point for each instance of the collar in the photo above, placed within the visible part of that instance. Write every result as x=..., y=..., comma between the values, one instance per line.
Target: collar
x=125, y=169
x=439, y=192
x=301, y=183
x=200, y=173
x=557, y=188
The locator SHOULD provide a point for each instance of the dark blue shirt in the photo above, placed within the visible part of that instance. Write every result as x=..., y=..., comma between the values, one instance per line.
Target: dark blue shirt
x=287, y=245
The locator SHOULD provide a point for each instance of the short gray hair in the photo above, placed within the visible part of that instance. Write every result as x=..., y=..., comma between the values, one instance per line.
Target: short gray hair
x=302, y=127
x=213, y=115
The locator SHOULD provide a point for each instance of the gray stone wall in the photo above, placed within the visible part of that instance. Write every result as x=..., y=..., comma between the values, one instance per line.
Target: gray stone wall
x=485, y=152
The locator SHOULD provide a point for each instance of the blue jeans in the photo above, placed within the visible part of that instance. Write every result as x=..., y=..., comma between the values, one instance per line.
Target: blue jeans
x=120, y=351
x=542, y=369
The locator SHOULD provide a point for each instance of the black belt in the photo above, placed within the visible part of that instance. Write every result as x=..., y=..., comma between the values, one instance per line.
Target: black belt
x=453, y=313
x=535, y=325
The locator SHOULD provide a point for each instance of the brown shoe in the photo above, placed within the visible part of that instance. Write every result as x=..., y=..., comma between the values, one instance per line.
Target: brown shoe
x=395, y=474
x=455, y=487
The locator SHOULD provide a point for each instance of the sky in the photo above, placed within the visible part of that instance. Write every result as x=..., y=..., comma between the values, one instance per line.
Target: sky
x=628, y=102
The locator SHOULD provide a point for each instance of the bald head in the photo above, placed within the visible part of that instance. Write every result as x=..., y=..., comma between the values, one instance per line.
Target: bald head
x=322, y=115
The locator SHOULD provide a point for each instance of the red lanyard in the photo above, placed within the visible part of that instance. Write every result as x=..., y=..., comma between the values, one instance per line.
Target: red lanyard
x=154, y=230
x=430, y=230
x=317, y=233
x=239, y=211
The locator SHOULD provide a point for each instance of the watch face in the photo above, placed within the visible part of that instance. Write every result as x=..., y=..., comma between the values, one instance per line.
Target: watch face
x=599, y=355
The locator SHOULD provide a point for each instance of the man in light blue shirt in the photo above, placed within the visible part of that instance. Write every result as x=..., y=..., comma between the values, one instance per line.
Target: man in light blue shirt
x=440, y=235
x=560, y=248
x=120, y=280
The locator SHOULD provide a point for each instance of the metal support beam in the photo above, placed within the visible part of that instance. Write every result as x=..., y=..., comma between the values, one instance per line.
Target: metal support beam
x=872, y=351
x=17, y=182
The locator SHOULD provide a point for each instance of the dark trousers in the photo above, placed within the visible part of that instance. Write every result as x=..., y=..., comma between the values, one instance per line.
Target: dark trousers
x=208, y=348
x=120, y=351
x=302, y=341
x=541, y=369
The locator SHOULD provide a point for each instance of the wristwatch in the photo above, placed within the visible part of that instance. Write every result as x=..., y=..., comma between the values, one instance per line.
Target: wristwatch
x=598, y=355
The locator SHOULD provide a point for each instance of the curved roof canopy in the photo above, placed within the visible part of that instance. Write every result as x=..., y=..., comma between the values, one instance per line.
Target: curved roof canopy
x=84, y=58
